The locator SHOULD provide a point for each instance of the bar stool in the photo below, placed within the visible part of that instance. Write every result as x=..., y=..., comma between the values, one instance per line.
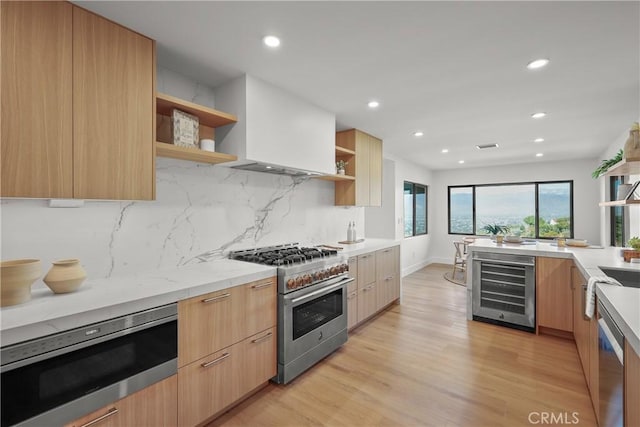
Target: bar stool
x=460, y=259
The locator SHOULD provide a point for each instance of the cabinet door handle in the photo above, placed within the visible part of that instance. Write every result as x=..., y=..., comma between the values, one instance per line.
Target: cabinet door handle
x=388, y=278
x=109, y=413
x=353, y=295
x=214, y=361
x=263, y=285
x=257, y=340
x=364, y=256
x=218, y=298
x=386, y=251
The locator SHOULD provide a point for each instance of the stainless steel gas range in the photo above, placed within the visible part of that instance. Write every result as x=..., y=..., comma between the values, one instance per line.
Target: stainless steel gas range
x=312, y=303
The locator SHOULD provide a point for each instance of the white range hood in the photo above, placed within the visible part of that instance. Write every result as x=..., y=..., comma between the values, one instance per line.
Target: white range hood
x=277, y=132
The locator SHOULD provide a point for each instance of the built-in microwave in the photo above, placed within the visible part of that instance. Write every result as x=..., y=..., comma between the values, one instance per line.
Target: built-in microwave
x=61, y=377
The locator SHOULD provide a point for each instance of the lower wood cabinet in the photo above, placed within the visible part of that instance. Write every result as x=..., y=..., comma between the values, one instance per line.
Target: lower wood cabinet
x=377, y=283
x=233, y=334
x=554, y=296
x=259, y=359
x=208, y=385
x=154, y=406
x=581, y=324
x=631, y=387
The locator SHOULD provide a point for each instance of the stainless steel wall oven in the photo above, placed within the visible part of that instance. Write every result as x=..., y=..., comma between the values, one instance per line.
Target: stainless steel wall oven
x=58, y=378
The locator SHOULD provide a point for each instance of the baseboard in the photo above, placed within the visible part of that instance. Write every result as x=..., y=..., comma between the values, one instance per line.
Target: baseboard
x=415, y=267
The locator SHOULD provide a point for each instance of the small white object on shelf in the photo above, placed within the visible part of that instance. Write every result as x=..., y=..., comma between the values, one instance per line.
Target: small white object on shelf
x=208, y=145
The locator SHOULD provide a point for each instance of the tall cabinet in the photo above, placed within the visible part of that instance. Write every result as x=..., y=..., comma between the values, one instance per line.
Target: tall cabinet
x=78, y=105
x=364, y=154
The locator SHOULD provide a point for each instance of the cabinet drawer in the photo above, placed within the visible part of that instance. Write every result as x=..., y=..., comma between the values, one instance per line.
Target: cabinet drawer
x=367, y=304
x=260, y=363
x=260, y=305
x=210, y=322
x=366, y=269
x=352, y=309
x=154, y=406
x=208, y=385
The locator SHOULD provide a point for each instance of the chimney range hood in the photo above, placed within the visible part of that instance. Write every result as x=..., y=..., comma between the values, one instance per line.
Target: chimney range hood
x=277, y=132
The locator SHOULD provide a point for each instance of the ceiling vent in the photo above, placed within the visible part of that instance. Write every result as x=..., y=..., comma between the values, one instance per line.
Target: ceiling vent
x=485, y=146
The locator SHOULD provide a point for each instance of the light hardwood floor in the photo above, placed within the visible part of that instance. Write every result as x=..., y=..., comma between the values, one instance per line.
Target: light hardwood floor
x=421, y=363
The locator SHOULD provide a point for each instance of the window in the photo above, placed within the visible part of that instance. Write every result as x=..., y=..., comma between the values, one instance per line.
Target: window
x=415, y=209
x=619, y=235
x=534, y=210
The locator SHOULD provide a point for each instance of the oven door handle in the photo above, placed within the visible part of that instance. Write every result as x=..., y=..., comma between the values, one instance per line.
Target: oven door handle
x=323, y=291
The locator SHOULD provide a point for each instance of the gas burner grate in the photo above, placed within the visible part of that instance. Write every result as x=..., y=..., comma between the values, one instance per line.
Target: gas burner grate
x=285, y=255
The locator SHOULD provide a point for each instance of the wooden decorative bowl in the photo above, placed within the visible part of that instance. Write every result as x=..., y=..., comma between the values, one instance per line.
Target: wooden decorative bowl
x=16, y=279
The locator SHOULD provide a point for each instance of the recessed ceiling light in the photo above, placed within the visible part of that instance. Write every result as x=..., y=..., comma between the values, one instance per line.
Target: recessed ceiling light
x=539, y=154
x=539, y=115
x=445, y=150
x=418, y=133
x=269, y=167
x=538, y=140
x=271, y=41
x=461, y=161
x=485, y=146
x=373, y=104
x=538, y=63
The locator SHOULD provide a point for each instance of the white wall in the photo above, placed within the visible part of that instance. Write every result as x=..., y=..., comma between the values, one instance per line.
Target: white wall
x=388, y=222
x=586, y=195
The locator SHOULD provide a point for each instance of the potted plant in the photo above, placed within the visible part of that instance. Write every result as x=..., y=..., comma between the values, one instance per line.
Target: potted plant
x=634, y=242
x=340, y=166
x=606, y=164
x=497, y=231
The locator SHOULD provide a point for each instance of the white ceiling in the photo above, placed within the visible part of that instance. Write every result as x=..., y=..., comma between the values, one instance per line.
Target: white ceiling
x=455, y=70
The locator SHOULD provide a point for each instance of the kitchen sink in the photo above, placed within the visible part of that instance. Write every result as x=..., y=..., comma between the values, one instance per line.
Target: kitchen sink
x=628, y=278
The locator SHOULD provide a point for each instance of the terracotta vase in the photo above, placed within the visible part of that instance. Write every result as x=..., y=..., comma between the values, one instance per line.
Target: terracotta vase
x=16, y=280
x=632, y=146
x=66, y=275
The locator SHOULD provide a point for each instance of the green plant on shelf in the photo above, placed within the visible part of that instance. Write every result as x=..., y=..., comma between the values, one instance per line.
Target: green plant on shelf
x=341, y=165
x=606, y=164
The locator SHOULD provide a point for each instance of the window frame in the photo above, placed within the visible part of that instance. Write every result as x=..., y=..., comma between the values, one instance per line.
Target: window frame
x=614, y=181
x=413, y=204
x=536, y=185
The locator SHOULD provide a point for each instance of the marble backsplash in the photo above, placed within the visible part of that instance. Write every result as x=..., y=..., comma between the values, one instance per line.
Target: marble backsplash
x=200, y=213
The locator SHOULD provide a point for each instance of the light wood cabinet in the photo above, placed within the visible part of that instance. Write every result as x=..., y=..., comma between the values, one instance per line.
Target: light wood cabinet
x=367, y=301
x=36, y=133
x=260, y=305
x=631, y=387
x=210, y=322
x=581, y=325
x=78, y=105
x=352, y=294
x=366, y=189
x=208, y=385
x=154, y=406
x=554, y=297
x=113, y=110
x=388, y=272
x=594, y=373
x=366, y=269
x=259, y=354
x=227, y=347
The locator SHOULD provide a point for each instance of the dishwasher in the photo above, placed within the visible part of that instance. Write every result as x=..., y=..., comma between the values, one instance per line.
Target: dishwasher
x=504, y=289
x=610, y=370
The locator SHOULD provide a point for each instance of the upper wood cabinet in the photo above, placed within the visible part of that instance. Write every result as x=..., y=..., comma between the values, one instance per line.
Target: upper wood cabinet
x=366, y=167
x=36, y=135
x=78, y=105
x=113, y=110
x=554, y=300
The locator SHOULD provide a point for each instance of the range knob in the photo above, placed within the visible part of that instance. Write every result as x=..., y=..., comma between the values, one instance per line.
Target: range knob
x=307, y=279
x=299, y=281
x=342, y=268
x=291, y=284
x=346, y=267
x=333, y=271
x=318, y=275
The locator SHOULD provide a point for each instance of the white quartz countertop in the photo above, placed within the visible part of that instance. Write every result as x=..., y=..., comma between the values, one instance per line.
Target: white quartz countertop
x=100, y=299
x=622, y=302
x=369, y=245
